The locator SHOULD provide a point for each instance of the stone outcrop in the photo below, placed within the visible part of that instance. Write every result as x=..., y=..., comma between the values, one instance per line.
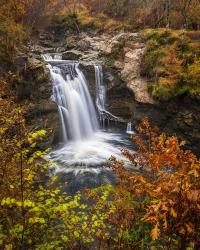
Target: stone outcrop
x=72, y=55
x=41, y=112
x=130, y=73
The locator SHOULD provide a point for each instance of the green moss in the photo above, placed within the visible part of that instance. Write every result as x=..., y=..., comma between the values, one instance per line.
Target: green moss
x=151, y=62
x=171, y=64
x=64, y=22
x=116, y=53
x=162, y=37
x=191, y=78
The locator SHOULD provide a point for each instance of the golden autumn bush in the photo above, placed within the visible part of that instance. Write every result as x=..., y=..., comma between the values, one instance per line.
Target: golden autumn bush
x=35, y=213
x=165, y=188
x=155, y=203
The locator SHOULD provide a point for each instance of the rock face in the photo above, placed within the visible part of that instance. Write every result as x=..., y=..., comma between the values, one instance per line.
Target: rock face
x=127, y=94
x=180, y=117
x=72, y=55
x=83, y=44
x=130, y=73
x=41, y=113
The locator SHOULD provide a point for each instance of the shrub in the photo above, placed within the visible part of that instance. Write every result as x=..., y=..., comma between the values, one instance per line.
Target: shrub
x=171, y=63
x=164, y=194
x=192, y=78
x=13, y=35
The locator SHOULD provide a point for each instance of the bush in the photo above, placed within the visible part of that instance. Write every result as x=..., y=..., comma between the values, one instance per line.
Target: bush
x=192, y=78
x=171, y=63
x=164, y=195
x=13, y=35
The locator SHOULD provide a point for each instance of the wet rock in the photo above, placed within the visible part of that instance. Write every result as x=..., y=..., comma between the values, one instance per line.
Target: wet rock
x=72, y=55
x=44, y=115
x=47, y=44
x=120, y=102
x=61, y=50
x=84, y=44
x=89, y=73
x=20, y=63
x=36, y=84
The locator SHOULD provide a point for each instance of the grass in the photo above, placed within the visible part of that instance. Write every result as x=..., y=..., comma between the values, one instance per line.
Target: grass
x=172, y=63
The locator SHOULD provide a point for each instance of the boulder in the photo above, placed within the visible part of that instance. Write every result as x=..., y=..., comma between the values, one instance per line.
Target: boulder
x=71, y=41
x=72, y=55
x=83, y=44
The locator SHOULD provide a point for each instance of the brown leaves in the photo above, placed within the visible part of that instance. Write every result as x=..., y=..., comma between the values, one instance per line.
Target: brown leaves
x=169, y=179
x=173, y=213
x=155, y=232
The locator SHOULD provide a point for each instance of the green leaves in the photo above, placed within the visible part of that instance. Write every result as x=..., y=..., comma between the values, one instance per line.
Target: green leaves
x=34, y=136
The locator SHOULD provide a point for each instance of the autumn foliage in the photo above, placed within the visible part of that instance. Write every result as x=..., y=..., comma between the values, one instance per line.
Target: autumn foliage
x=168, y=180
x=155, y=203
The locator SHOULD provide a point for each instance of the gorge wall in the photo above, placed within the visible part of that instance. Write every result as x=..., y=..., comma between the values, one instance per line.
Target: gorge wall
x=127, y=94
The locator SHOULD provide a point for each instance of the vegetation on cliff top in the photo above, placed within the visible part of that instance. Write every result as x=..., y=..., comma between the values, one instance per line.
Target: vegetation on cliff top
x=171, y=63
x=141, y=14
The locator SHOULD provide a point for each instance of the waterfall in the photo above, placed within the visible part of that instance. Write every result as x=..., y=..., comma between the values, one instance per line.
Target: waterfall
x=52, y=57
x=104, y=115
x=85, y=147
x=101, y=93
x=129, y=129
x=101, y=90
x=70, y=92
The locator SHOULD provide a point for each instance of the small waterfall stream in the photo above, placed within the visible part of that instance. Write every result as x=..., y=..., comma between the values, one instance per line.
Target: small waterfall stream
x=129, y=129
x=104, y=115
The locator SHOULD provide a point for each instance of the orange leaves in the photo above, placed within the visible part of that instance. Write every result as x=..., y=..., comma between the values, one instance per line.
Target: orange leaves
x=173, y=213
x=168, y=178
x=194, y=196
x=155, y=232
x=186, y=229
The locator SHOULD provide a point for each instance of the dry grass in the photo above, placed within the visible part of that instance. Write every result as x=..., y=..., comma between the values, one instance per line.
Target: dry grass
x=100, y=21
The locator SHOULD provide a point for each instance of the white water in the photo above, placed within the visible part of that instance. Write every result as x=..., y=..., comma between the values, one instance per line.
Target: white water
x=77, y=112
x=101, y=90
x=129, y=129
x=84, y=145
x=104, y=115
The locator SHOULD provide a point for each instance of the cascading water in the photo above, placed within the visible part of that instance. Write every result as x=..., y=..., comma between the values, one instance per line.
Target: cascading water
x=101, y=98
x=84, y=146
x=129, y=129
x=70, y=92
x=101, y=93
x=101, y=90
